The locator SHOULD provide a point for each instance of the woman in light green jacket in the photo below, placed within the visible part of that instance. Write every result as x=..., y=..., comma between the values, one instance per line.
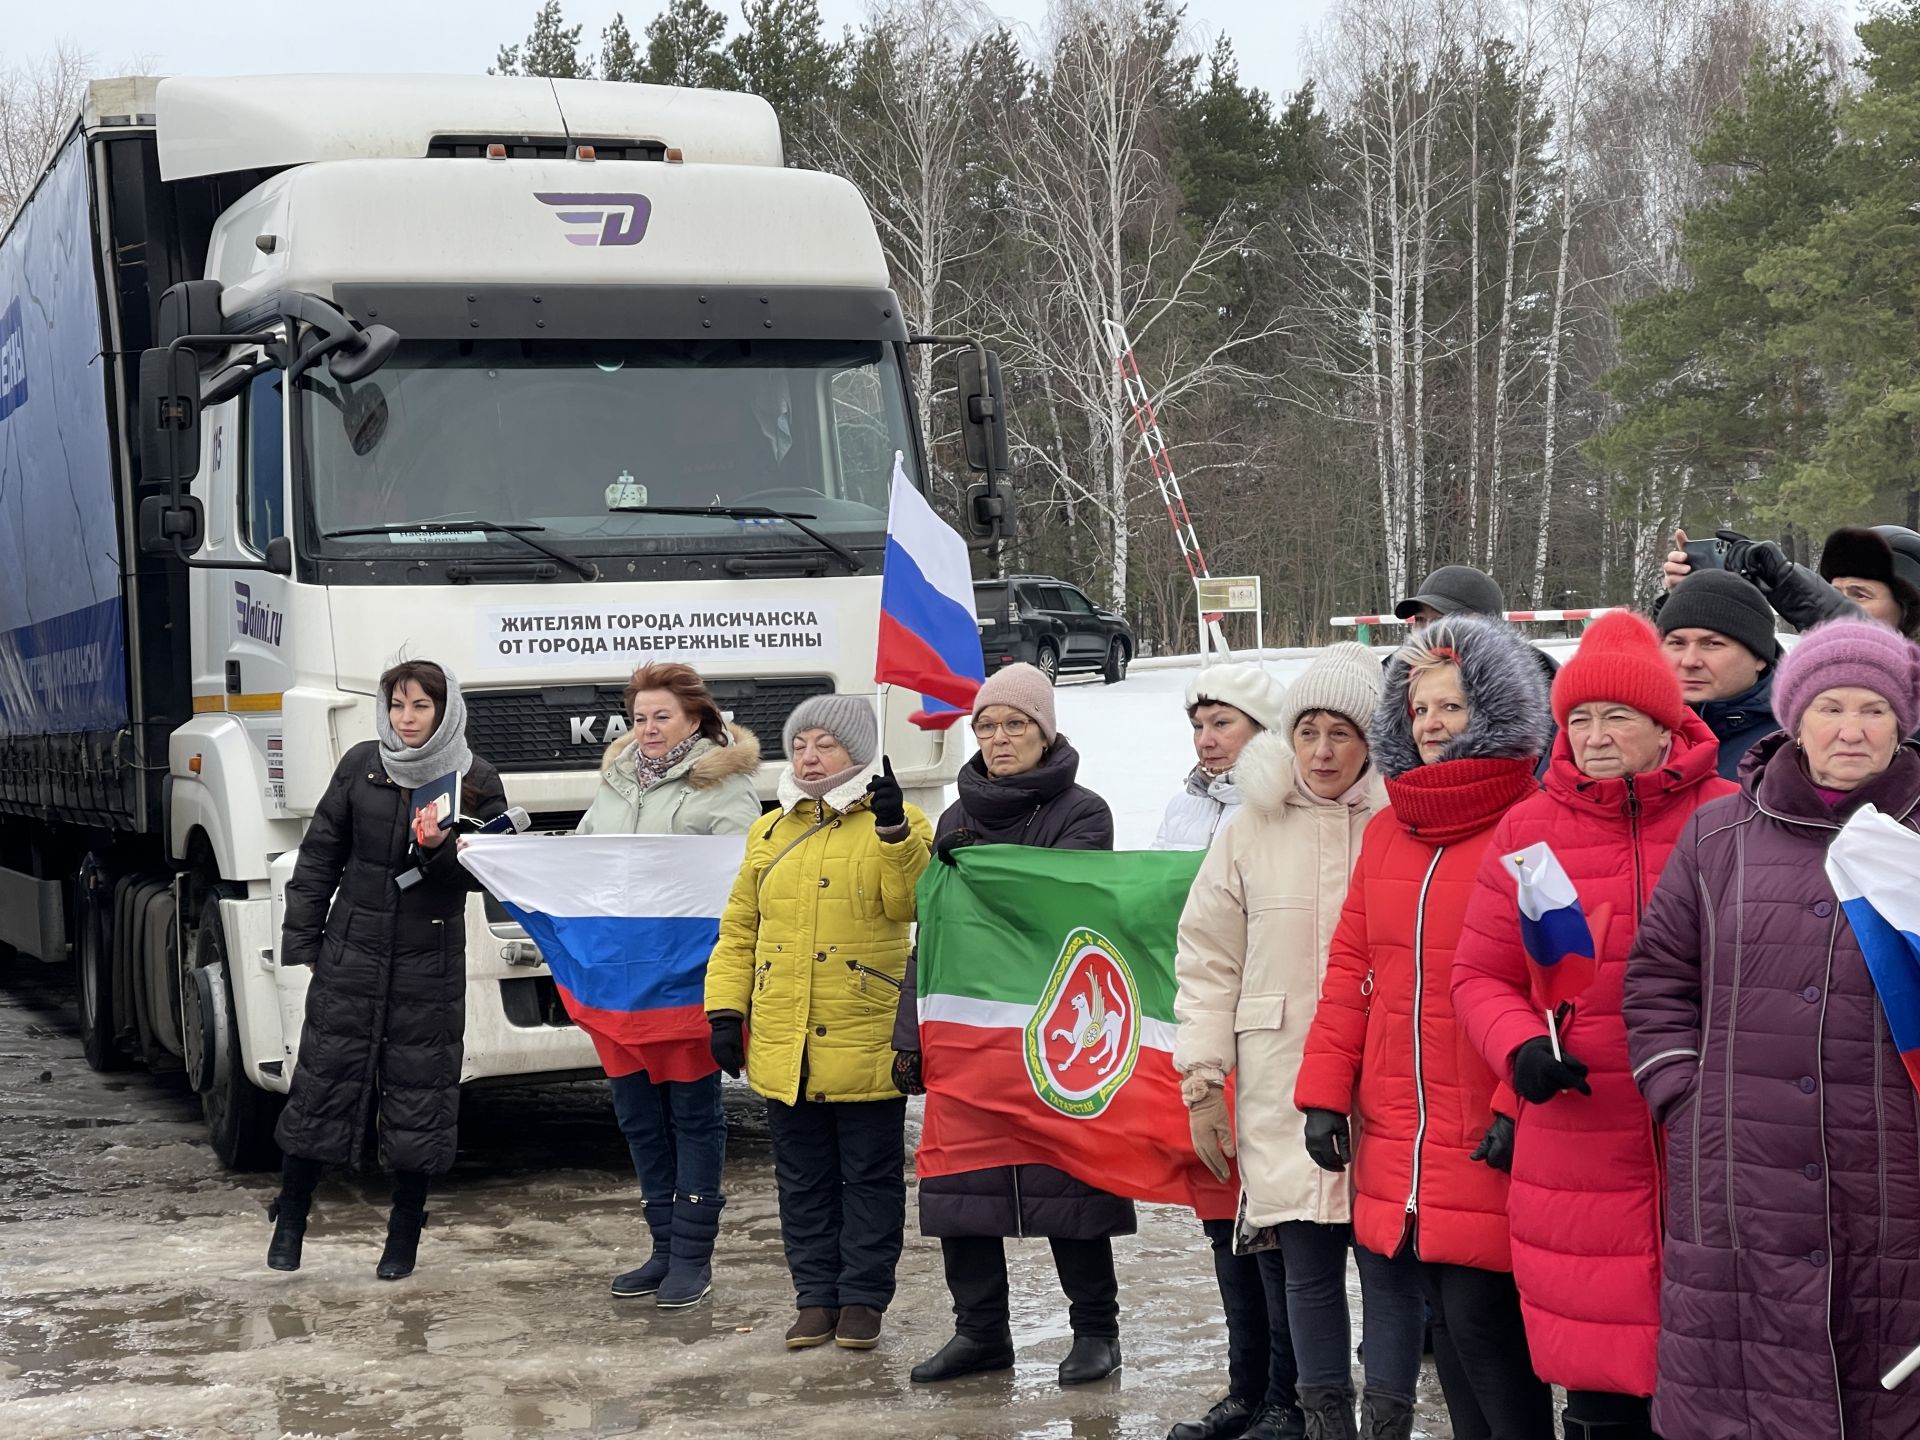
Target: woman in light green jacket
x=681, y=770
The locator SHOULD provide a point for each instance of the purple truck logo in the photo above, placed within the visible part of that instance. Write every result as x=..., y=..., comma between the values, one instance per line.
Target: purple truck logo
x=612, y=219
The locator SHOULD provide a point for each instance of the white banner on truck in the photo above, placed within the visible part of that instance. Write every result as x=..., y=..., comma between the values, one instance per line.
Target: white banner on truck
x=524, y=635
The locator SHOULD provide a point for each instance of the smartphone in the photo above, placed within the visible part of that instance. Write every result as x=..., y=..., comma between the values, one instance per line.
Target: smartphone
x=1707, y=554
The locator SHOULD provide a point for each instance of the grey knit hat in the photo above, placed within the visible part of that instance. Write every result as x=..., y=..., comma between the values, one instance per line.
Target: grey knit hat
x=848, y=718
x=1721, y=601
x=1343, y=678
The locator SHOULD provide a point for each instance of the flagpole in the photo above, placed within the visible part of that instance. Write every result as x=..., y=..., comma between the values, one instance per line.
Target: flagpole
x=1553, y=1034
x=1897, y=1376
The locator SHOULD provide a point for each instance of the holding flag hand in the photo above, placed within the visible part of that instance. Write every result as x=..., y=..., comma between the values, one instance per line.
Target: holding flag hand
x=1496, y=1146
x=887, y=800
x=1539, y=1074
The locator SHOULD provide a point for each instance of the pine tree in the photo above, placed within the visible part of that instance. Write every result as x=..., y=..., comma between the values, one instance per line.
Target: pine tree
x=1849, y=298
x=551, y=49
x=784, y=56
x=619, y=58
x=1710, y=381
x=686, y=46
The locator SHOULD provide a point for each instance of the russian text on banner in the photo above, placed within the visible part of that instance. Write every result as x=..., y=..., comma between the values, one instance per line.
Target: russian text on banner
x=929, y=639
x=1046, y=1019
x=626, y=923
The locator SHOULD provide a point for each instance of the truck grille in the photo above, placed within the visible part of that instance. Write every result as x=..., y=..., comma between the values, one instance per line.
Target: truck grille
x=568, y=727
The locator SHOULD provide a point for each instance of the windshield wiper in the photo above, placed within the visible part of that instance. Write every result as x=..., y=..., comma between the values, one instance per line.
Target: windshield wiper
x=585, y=569
x=748, y=512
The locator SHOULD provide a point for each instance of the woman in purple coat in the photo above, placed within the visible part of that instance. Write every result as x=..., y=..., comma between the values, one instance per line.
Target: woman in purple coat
x=1792, y=1278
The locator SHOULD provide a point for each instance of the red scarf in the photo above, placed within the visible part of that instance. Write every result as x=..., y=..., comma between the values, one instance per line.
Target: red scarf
x=1450, y=800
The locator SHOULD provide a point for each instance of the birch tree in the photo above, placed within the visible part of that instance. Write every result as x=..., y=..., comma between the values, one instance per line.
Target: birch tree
x=39, y=99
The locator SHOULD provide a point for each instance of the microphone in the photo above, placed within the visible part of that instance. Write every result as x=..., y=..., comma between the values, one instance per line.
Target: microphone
x=512, y=822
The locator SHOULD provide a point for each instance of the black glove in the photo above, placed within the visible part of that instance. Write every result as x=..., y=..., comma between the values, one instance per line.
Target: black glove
x=1329, y=1140
x=1538, y=1077
x=1496, y=1146
x=1761, y=561
x=906, y=1073
x=953, y=840
x=728, y=1043
x=885, y=798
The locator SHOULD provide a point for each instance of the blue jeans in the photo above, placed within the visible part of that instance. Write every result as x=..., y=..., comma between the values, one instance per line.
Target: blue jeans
x=675, y=1131
x=1393, y=1317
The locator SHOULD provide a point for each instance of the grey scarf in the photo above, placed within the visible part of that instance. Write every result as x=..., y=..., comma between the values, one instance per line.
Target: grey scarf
x=445, y=752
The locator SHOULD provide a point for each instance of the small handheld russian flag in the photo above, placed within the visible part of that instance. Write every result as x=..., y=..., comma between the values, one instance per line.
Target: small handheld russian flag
x=1871, y=865
x=929, y=637
x=1554, y=928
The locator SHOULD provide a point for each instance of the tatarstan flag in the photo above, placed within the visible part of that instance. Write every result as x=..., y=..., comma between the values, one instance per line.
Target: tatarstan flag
x=1046, y=1019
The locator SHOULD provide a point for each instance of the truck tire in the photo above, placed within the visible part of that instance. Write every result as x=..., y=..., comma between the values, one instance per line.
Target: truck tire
x=1115, y=670
x=93, y=966
x=240, y=1116
x=1046, y=660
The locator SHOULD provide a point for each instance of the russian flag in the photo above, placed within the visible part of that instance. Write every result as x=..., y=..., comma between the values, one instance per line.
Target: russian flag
x=929, y=638
x=626, y=924
x=1871, y=865
x=1553, y=927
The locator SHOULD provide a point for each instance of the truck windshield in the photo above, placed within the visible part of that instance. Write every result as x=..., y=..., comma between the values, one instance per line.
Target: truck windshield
x=580, y=438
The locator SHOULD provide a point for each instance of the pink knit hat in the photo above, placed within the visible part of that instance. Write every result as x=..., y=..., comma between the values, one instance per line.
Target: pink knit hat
x=1849, y=654
x=1027, y=690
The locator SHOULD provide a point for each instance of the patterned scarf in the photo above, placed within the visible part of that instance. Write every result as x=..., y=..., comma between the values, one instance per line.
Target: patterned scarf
x=649, y=772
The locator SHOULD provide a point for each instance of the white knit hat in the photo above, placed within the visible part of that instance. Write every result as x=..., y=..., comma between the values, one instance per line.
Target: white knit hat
x=1247, y=688
x=1344, y=678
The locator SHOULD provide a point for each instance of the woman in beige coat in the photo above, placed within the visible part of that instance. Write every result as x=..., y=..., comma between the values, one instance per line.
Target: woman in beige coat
x=1252, y=954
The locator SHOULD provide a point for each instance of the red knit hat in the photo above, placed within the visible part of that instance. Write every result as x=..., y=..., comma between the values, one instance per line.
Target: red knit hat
x=1619, y=660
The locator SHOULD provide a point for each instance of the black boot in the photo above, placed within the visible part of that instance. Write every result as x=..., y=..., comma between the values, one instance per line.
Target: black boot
x=289, y=1216
x=1386, y=1417
x=646, y=1280
x=1277, y=1422
x=404, y=1225
x=1226, y=1421
x=1329, y=1412
x=964, y=1356
x=696, y=1225
x=1093, y=1357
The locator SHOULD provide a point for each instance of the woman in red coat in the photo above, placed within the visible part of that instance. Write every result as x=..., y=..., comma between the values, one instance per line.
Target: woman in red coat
x=1630, y=765
x=1460, y=727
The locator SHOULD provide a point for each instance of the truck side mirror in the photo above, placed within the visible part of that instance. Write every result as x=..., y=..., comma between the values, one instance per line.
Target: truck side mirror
x=191, y=307
x=169, y=416
x=170, y=526
x=279, y=557
x=989, y=513
x=983, y=413
x=350, y=365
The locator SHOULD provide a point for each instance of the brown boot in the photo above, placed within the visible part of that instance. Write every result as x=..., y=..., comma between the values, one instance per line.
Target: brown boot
x=859, y=1328
x=814, y=1326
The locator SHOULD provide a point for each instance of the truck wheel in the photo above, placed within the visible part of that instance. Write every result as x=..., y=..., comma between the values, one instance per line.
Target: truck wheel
x=1116, y=667
x=1046, y=660
x=93, y=966
x=240, y=1116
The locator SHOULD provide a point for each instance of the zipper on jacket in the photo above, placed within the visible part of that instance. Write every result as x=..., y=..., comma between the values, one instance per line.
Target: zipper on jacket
x=1706, y=1035
x=866, y=971
x=1639, y=870
x=1419, y=1007
x=760, y=976
x=1826, y=1176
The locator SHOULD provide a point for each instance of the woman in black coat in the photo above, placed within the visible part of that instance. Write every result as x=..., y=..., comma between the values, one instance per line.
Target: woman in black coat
x=386, y=1008
x=1018, y=790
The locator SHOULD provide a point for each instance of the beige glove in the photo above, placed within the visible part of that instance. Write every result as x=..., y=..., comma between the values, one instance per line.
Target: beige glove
x=1212, y=1131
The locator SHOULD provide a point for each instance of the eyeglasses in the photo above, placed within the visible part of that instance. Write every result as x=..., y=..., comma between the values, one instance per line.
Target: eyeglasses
x=1013, y=729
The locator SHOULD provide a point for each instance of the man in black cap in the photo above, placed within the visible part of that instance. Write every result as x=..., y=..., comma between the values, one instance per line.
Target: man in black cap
x=1717, y=632
x=1877, y=569
x=1452, y=590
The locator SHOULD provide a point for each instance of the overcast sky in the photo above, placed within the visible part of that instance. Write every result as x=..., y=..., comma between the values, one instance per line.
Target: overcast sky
x=228, y=37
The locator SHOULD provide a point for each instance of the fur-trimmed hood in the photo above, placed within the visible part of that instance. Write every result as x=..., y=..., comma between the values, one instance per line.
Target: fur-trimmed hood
x=1509, y=716
x=1268, y=776
x=709, y=764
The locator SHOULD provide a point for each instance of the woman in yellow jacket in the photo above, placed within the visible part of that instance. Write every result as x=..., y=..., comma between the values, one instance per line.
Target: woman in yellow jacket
x=801, y=991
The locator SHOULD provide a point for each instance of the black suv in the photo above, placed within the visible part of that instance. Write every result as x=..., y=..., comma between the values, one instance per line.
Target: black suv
x=1051, y=624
